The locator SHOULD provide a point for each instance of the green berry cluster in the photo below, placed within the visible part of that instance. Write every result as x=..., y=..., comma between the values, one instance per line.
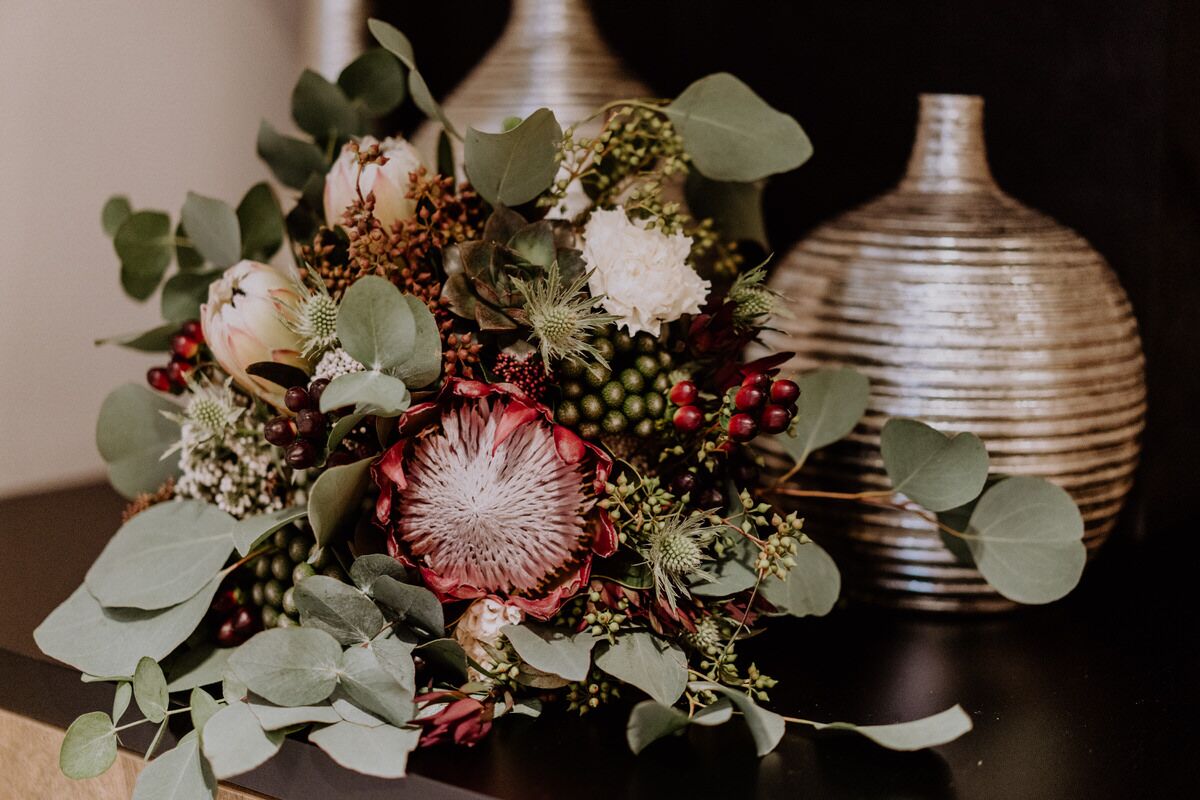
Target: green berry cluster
x=634, y=505
x=626, y=394
x=591, y=693
x=293, y=556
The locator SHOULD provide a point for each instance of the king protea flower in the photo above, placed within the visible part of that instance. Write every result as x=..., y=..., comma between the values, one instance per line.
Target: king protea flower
x=249, y=317
x=487, y=497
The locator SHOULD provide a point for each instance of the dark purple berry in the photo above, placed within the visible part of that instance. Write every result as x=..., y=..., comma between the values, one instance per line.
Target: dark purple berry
x=301, y=454
x=310, y=423
x=280, y=431
x=314, y=391
x=296, y=398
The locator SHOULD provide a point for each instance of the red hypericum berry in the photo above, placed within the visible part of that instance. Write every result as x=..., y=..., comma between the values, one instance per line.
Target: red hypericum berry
x=683, y=483
x=684, y=393
x=315, y=390
x=711, y=498
x=184, y=346
x=749, y=398
x=193, y=331
x=280, y=431
x=310, y=423
x=227, y=636
x=742, y=427
x=775, y=419
x=296, y=398
x=178, y=371
x=158, y=378
x=300, y=454
x=243, y=621
x=784, y=392
x=688, y=419
x=226, y=600
x=759, y=380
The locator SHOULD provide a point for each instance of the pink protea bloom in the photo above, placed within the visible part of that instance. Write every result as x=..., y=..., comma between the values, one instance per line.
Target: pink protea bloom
x=488, y=497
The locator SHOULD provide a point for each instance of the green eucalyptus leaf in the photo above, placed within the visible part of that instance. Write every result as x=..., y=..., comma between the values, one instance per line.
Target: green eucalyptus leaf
x=376, y=79
x=938, y=471
x=392, y=40
x=145, y=245
x=732, y=134
x=554, y=650
x=121, y=700
x=341, y=429
x=650, y=721
x=340, y=609
x=1026, y=538
x=372, y=687
x=731, y=575
x=289, y=666
x=232, y=688
x=110, y=641
x=932, y=731
x=424, y=100
x=150, y=690
x=654, y=665
x=203, y=705
x=335, y=497
x=212, y=228
x=735, y=208
x=812, y=586
x=381, y=751
x=180, y=774
x=765, y=726
x=89, y=747
x=186, y=256
x=260, y=221
x=183, y=293
x=234, y=742
x=370, y=392
x=348, y=710
x=203, y=665
x=291, y=160
x=445, y=653
x=422, y=365
x=132, y=434
x=322, y=109
x=162, y=556
x=516, y=166
x=155, y=340
x=273, y=718
x=413, y=605
x=157, y=740
x=250, y=532
x=375, y=324
x=831, y=403
x=366, y=569
x=116, y=210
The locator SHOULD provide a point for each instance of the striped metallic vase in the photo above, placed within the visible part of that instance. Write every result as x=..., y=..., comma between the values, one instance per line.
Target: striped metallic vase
x=974, y=313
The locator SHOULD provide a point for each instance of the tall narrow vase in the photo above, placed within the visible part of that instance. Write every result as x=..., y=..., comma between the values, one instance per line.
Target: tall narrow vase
x=971, y=312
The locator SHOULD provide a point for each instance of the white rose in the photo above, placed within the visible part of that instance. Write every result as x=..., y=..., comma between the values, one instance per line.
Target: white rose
x=389, y=182
x=246, y=320
x=642, y=272
x=480, y=625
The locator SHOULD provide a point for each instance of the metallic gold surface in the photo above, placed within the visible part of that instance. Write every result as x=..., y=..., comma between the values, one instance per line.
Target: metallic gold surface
x=974, y=313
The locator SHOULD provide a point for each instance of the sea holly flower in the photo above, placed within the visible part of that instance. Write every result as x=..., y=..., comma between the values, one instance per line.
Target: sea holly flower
x=387, y=177
x=488, y=497
x=562, y=316
x=641, y=272
x=249, y=318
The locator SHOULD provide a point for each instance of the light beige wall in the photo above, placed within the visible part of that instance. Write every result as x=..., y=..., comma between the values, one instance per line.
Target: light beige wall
x=149, y=98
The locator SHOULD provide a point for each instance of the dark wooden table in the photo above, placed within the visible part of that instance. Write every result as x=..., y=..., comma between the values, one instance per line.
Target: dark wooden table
x=1093, y=697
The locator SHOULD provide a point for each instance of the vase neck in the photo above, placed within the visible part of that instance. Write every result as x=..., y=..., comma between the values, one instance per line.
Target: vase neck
x=949, y=155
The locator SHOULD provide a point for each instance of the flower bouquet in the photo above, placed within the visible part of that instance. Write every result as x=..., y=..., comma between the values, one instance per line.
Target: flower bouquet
x=482, y=441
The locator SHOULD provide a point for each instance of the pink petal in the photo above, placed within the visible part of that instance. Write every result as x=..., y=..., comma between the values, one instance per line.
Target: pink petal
x=515, y=415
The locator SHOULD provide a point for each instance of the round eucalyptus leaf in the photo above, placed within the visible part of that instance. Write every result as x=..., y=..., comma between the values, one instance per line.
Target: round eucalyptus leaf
x=234, y=742
x=121, y=700
x=654, y=665
x=145, y=245
x=650, y=721
x=732, y=134
x=212, y=228
x=116, y=210
x=180, y=774
x=202, y=665
x=381, y=751
x=376, y=79
x=111, y=641
x=132, y=434
x=292, y=161
x=423, y=363
x=186, y=256
x=766, y=727
x=369, y=392
x=917, y=734
x=375, y=689
x=938, y=471
x=424, y=100
x=812, y=586
x=558, y=652
x=162, y=556
x=392, y=40
x=735, y=208
x=415, y=606
x=273, y=718
x=289, y=666
x=322, y=109
x=831, y=403
x=183, y=293
x=155, y=340
x=260, y=221
x=89, y=748
x=150, y=690
x=342, y=610
x=366, y=569
x=203, y=706
x=1026, y=538
x=249, y=532
x=374, y=323
x=516, y=166
x=335, y=497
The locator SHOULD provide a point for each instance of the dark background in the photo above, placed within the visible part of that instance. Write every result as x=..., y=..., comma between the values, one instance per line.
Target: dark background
x=1091, y=116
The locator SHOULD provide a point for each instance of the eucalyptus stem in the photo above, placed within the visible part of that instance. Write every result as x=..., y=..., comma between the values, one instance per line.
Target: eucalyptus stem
x=873, y=498
x=144, y=719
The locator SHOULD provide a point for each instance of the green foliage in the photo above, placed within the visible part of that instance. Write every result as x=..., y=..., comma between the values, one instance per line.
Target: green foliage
x=381, y=750
x=375, y=80
x=932, y=731
x=516, y=166
x=654, y=665
x=132, y=434
x=150, y=690
x=155, y=340
x=202, y=706
x=186, y=256
x=116, y=210
x=183, y=294
x=341, y=610
x=212, y=228
x=389, y=332
x=650, y=721
x=250, y=532
x=121, y=698
x=369, y=392
x=201, y=666
x=938, y=471
x=375, y=689
x=765, y=726
x=732, y=134
x=322, y=110
x=334, y=498
x=145, y=245
x=89, y=748
x=732, y=574
x=413, y=605
x=289, y=666
x=553, y=650
x=812, y=586
x=1026, y=538
x=234, y=742
x=831, y=403
x=292, y=161
x=162, y=556
x=735, y=208
x=260, y=221
x=366, y=569
x=398, y=45
x=181, y=774
x=273, y=718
